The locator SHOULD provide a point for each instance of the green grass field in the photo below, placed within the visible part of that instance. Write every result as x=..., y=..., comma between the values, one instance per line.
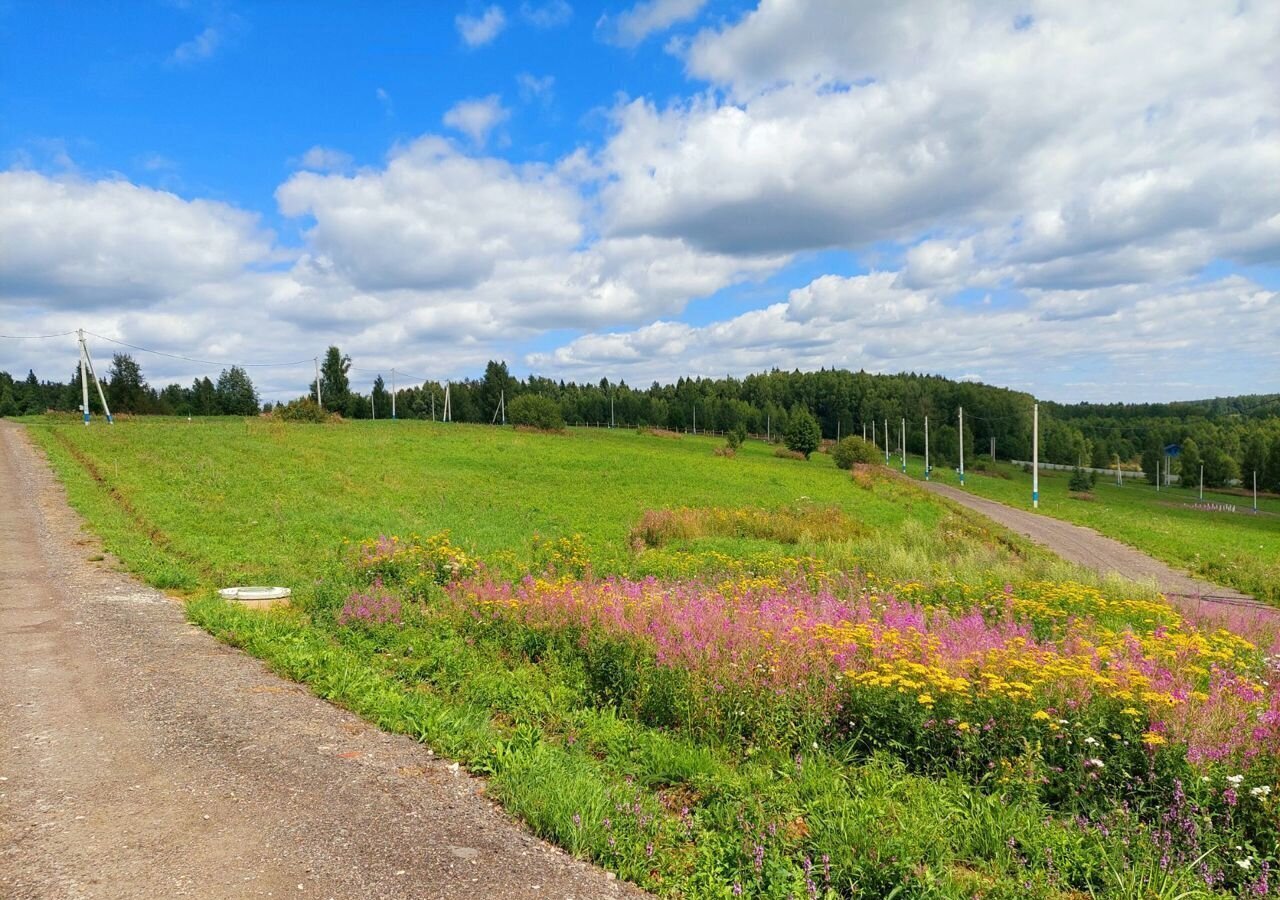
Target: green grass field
x=710, y=778
x=1237, y=549
x=225, y=500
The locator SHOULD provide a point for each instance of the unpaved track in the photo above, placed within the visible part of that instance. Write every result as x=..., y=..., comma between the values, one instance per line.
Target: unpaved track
x=141, y=758
x=1086, y=547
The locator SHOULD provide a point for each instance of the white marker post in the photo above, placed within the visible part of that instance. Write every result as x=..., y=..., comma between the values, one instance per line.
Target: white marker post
x=393, y=395
x=319, y=398
x=84, y=380
x=926, y=448
x=962, y=446
x=97, y=382
x=1035, y=456
x=1255, y=490
x=1201, y=481
x=904, y=446
x=873, y=433
x=886, y=441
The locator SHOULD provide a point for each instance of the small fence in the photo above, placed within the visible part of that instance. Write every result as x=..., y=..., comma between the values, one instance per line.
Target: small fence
x=1214, y=507
x=1129, y=474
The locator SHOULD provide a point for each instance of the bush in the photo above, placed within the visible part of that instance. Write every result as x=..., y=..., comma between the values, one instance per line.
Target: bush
x=784, y=453
x=736, y=437
x=854, y=450
x=803, y=434
x=536, y=411
x=304, y=410
x=1081, y=481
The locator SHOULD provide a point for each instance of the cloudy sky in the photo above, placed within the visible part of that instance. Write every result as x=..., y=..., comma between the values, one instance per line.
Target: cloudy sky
x=1077, y=199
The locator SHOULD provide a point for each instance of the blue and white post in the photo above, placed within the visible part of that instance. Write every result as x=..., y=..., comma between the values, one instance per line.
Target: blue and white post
x=962, y=446
x=1035, y=456
x=886, y=440
x=84, y=380
x=87, y=360
x=904, y=445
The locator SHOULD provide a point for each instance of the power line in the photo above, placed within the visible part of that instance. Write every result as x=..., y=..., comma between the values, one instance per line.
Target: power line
x=399, y=371
x=203, y=362
x=35, y=337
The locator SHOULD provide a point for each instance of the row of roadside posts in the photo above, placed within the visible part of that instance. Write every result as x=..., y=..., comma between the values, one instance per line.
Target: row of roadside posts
x=1035, y=456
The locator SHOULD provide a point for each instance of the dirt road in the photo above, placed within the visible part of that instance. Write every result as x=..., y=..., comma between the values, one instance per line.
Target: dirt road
x=1088, y=548
x=141, y=758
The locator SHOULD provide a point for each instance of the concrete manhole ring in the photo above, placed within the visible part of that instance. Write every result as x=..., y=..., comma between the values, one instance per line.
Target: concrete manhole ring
x=257, y=597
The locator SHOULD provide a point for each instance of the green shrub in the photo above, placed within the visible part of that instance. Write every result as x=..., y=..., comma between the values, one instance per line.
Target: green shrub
x=736, y=437
x=536, y=411
x=854, y=450
x=803, y=434
x=304, y=410
x=1081, y=481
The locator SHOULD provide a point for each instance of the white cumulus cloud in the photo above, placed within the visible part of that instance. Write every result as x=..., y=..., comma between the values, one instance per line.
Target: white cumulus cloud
x=476, y=31
x=632, y=26
x=477, y=117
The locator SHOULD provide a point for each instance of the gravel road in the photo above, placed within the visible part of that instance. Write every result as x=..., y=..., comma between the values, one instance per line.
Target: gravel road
x=1086, y=547
x=141, y=758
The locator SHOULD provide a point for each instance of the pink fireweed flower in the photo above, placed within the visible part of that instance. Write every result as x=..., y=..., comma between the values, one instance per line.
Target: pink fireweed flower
x=1043, y=646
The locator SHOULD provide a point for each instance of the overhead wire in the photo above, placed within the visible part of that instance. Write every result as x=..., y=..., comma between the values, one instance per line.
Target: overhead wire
x=35, y=337
x=204, y=362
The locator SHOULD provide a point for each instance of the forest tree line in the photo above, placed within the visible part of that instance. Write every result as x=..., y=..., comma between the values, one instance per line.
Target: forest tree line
x=1231, y=436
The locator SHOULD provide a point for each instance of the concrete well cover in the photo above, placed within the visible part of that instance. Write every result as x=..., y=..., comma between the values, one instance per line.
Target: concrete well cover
x=255, y=593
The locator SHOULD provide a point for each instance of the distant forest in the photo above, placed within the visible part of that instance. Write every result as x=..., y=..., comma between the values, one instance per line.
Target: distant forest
x=1231, y=436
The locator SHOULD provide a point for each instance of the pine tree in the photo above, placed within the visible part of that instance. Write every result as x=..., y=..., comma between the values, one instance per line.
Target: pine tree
x=127, y=389
x=334, y=388
x=236, y=393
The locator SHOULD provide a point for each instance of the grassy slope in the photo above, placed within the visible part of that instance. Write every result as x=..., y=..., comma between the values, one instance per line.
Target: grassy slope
x=1236, y=549
x=196, y=505
x=234, y=501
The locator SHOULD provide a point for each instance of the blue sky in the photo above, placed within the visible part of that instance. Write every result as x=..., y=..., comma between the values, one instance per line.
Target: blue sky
x=1072, y=199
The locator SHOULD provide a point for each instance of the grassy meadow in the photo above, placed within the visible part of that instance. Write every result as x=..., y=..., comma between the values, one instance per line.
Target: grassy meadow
x=1238, y=549
x=237, y=501
x=719, y=676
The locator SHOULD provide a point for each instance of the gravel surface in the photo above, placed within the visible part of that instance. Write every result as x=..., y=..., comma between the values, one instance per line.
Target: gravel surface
x=141, y=758
x=1086, y=547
